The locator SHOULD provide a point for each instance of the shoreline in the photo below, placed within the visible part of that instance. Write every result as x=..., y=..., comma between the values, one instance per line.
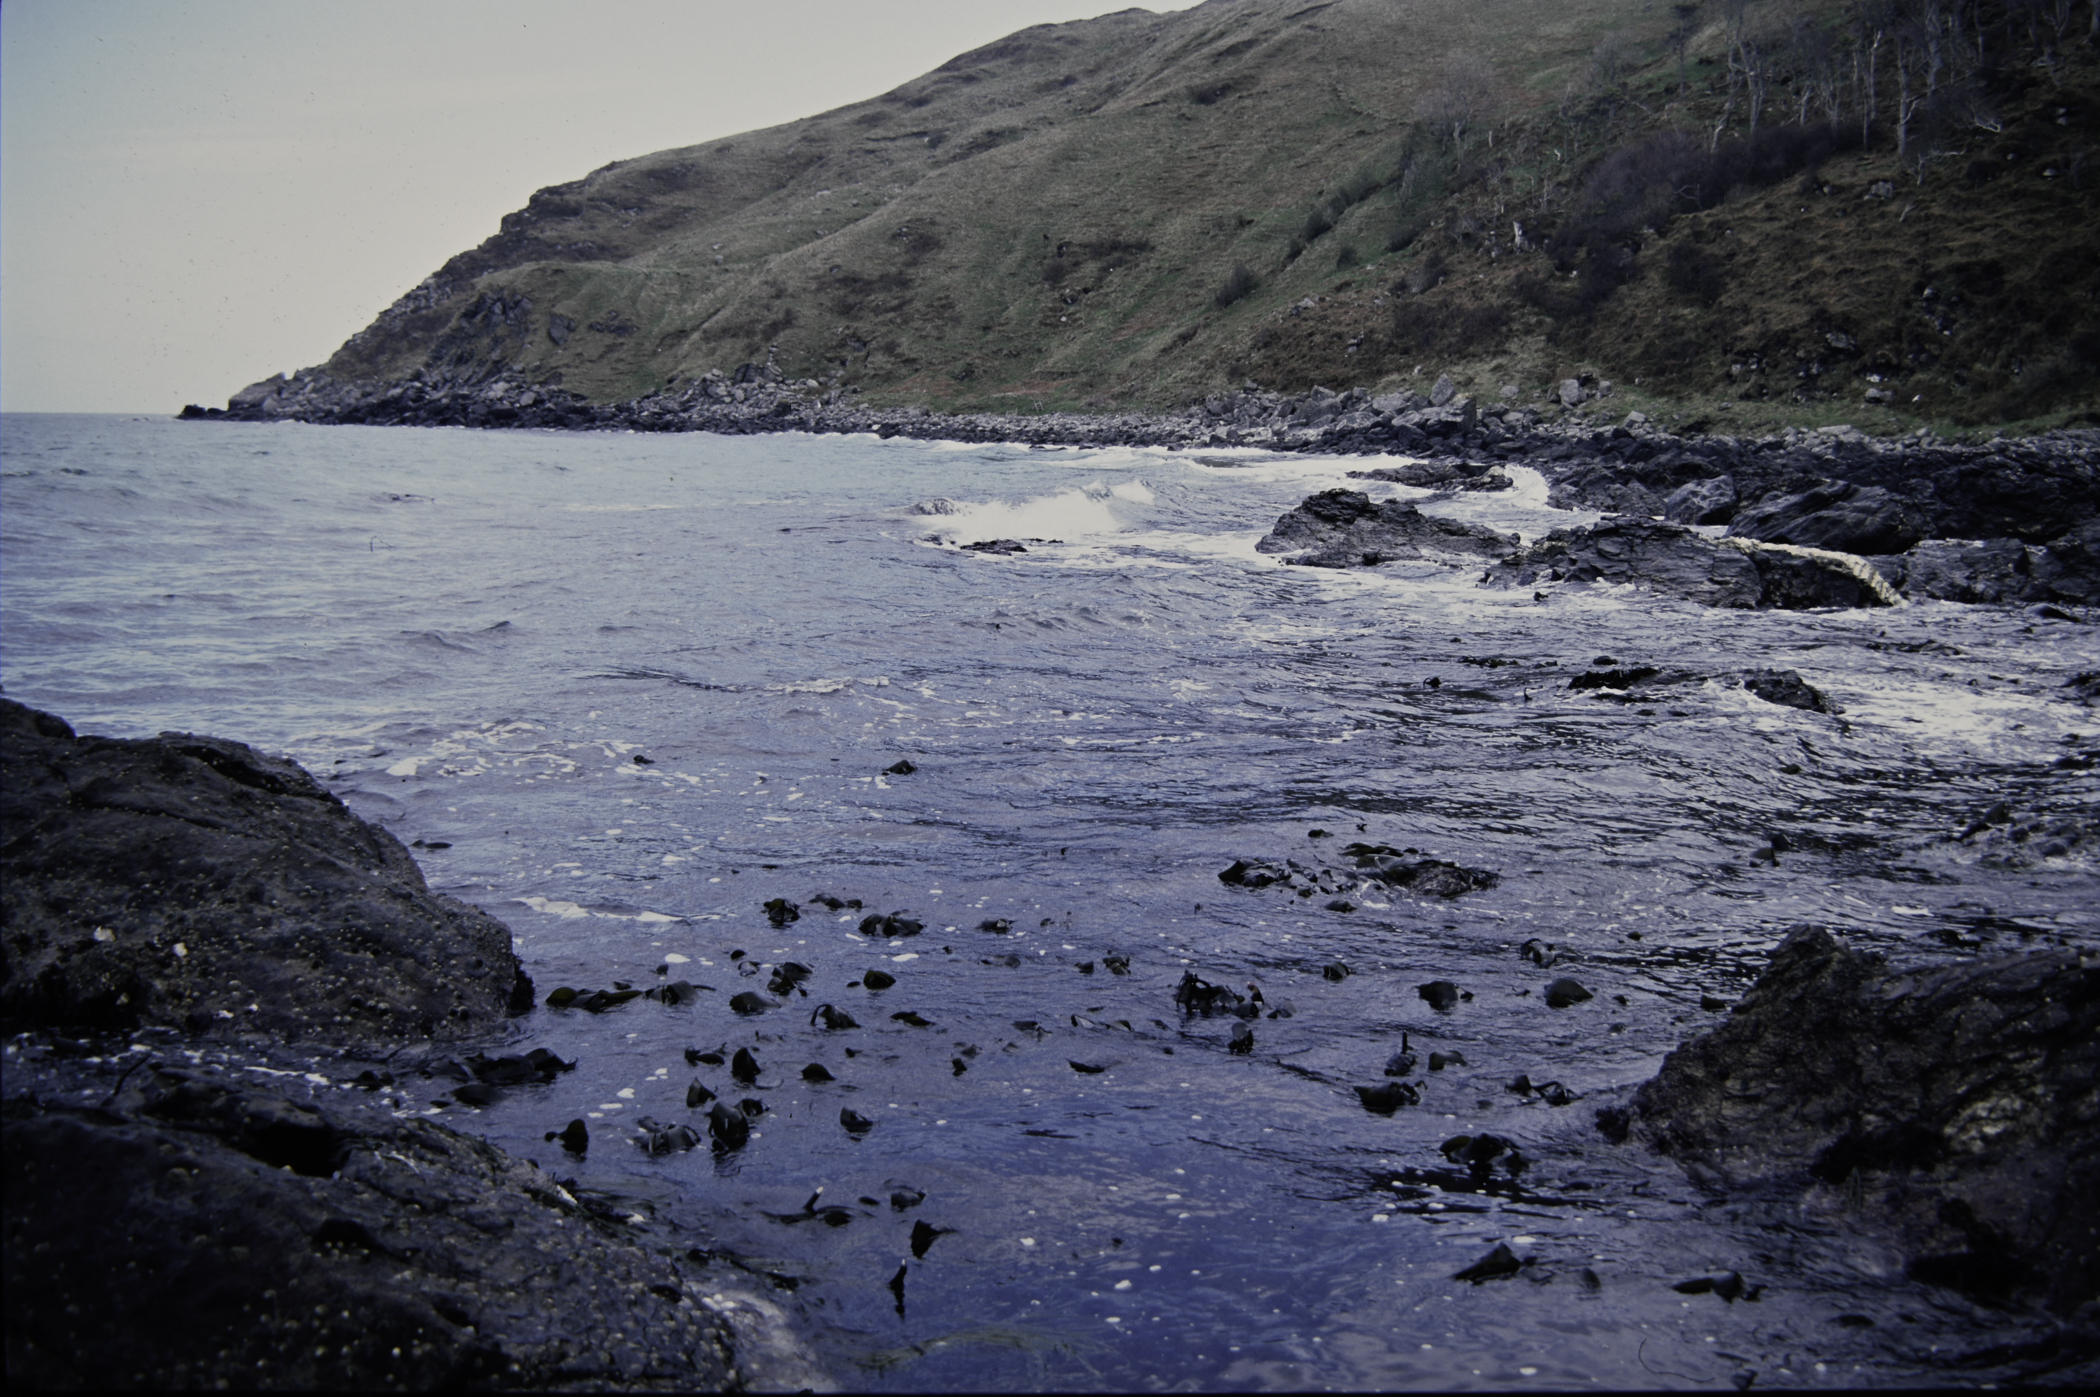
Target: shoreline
x=2004, y=521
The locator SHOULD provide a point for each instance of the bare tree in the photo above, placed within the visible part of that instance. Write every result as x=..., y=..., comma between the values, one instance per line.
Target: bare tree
x=1610, y=62
x=1464, y=96
x=1680, y=38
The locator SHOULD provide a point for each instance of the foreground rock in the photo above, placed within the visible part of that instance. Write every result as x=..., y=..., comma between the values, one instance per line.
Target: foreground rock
x=1956, y=1106
x=1342, y=528
x=195, y=882
x=198, y=1229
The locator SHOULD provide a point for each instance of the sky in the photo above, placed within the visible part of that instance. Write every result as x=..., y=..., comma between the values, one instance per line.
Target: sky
x=197, y=194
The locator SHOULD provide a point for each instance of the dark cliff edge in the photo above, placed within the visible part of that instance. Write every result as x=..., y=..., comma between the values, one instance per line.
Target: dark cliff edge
x=1953, y=1108
x=212, y=971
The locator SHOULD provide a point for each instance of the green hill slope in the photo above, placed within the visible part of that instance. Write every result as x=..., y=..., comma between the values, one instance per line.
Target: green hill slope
x=1138, y=209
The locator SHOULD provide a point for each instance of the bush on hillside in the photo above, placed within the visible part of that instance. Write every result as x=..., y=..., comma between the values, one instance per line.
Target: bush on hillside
x=1239, y=284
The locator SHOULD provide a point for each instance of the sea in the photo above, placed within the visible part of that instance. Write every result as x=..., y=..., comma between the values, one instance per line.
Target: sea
x=626, y=692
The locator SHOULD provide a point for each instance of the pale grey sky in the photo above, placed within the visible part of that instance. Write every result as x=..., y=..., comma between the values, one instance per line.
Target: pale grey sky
x=195, y=194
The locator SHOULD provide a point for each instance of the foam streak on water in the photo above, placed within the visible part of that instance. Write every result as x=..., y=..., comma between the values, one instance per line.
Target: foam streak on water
x=473, y=636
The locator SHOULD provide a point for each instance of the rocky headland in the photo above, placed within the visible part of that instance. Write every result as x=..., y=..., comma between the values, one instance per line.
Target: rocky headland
x=214, y=976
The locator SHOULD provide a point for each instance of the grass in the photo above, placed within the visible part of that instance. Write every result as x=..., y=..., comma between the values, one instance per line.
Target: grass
x=1053, y=219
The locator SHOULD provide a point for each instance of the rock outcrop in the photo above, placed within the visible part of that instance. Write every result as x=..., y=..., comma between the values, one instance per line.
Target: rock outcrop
x=1342, y=528
x=1681, y=562
x=201, y=1228
x=1955, y=1106
x=1839, y=516
x=194, y=882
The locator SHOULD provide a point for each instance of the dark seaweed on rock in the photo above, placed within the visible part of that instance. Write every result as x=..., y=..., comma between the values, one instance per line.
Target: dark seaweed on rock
x=1388, y=1097
x=1195, y=995
x=657, y=1138
x=1430, y=877
x=539, y=1065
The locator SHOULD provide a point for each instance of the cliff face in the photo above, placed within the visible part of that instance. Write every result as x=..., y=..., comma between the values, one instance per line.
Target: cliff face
x=1143, y=208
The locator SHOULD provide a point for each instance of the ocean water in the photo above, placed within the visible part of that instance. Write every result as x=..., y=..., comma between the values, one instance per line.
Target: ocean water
x=625, y=690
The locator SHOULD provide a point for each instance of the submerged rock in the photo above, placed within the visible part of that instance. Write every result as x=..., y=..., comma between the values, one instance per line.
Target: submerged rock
x=146, y=1235
x=1429, y=877
x=1956, y=1106
x=1787, y=687
x=1342, y=529
x=195, y=882
x=1495, y=1265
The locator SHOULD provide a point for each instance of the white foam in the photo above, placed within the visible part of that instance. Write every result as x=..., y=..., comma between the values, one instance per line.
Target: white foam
x=1085, y=511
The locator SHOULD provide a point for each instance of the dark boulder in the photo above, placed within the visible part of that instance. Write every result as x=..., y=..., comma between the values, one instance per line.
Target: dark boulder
x=197, y=1231
x=1956, y=1106
x=1787, y=687
x=1996, y=572
x=197, y=883
x=1678, y=561
x=1836, y=515
x=1342, y=528
x=1710, y=501
x=1668, y=558
x=1805, y=582
x=2068, y=570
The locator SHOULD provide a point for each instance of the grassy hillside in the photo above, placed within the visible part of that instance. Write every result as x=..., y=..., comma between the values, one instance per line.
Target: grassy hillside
x=1706, y=204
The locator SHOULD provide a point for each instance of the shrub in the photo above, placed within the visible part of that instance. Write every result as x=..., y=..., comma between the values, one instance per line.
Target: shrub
x=1446, y=327
x=1696, y=274
x=1239, y=284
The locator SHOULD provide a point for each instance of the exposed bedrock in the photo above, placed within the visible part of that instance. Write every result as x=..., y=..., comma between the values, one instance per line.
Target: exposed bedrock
x=2002, y=570
x=196, y=1231
x=197, y=883
x=1342, y=528
x=1841, y=516
x=1679, y=561
x=1955, y=1107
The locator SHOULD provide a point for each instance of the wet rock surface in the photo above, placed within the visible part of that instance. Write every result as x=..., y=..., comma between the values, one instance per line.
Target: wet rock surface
x=1665, y=557
x=181, y=1223
x=1678, y=561
x=195, y=882
x=188, y=1204
x=1342, y=528
x=1956, y=1107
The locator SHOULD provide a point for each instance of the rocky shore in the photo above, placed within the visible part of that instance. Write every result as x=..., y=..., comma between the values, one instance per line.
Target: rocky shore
x=1954, y=1109
x=2008, y=521
x=214, y=977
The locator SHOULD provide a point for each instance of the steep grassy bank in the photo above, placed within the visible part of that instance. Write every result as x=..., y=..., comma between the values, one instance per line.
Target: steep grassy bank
x=1738, y=213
